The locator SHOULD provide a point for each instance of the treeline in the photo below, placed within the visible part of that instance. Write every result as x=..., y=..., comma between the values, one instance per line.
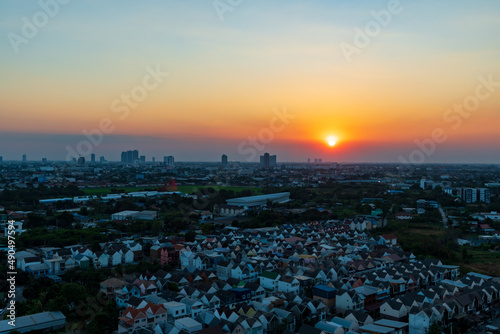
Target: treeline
x=40, y=236
x=31, y=195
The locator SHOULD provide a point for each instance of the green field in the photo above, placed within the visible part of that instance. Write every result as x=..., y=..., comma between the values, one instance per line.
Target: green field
x=191, y=189
x=105, y=191
x=184, y=189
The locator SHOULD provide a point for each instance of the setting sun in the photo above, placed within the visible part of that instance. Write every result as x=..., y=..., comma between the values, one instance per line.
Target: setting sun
x=331, y=141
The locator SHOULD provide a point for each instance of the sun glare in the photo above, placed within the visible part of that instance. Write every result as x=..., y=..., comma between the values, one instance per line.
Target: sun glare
x=331, y=141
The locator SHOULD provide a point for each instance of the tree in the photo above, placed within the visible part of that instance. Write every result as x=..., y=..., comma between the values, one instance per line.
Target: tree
x=190, y=236
x=207, y=228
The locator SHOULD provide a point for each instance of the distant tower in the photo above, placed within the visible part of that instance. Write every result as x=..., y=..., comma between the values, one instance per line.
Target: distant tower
x=44, y=160
x=92, y=157
x=143, y=158
x=81, y=161
x=168, y=160
x=308, y=160
x=264, y=160
x=224, y=160
x=24, y=157
x=129, y=157
x=102, y=159
x=1, y=158
x=154, y=159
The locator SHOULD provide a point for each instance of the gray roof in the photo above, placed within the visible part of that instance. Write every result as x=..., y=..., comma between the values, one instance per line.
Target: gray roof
x=34, y=321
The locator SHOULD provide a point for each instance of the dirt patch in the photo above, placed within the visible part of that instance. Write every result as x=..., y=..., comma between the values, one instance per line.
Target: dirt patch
x=487, y=268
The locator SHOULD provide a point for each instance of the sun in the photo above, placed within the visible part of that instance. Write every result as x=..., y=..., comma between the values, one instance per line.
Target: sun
x=331, y=141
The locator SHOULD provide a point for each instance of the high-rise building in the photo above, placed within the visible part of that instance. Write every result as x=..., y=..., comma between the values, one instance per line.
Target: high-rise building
x=92, y=157
x=224, y=160
x=81, y=161
x=168, y=160
x=473, y=195
x=484, y=195
x=129, y=157
x=24, y=158
x=44, y=160
x=143, y=158
x=102, y=159
x=267, y=160
x=1, y=159
x=153, y=159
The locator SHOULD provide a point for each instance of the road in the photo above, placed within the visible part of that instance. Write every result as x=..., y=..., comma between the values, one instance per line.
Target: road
x=445, y=219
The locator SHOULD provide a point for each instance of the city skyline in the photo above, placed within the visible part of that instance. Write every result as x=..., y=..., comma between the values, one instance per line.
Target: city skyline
x=389, y=81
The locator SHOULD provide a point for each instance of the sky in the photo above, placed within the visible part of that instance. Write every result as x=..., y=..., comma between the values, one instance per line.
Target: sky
x=391, y=81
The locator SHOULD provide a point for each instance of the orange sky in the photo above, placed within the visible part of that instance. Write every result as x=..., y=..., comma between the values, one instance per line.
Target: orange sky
x=226, y=78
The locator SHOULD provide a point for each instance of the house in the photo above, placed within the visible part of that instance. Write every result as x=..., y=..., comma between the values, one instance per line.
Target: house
x=326, y=295
x=348, y=300
x=393, y=310
x=288, y=284
x=269, y=280
x=169, y=255
x=115, y=258
x=420, y=321
x=101, y=260
x=83, y=261
x=223, y=269
x=128, y=257
x=176, y=310
x=403, y=216
x=257, y=291
x=131, y=319
x=188, y=325
x=147, y=288
x=110, y=286
x=360, y=317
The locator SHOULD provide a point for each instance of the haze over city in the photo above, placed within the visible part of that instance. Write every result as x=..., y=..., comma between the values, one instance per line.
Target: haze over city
x=382, y=78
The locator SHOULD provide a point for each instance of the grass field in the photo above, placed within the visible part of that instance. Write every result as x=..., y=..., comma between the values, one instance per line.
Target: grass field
x=191, y=189
x=105, y=191
x=425, y=237
x=184, y=189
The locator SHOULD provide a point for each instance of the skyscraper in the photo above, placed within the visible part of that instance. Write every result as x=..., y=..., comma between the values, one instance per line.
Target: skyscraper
x=224, y=160
x=24, y=157
x=92, y=157
x=129, y=157
x=267, y=160
x=168, y=160
x=102, y=159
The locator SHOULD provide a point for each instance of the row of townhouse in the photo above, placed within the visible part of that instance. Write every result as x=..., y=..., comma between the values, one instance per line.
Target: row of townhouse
x=55, y=261
x=351, y=273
